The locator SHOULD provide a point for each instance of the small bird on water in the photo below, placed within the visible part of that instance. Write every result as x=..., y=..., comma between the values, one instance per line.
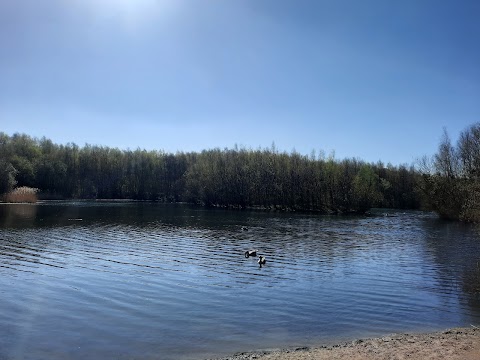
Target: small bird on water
x=249, y=253
x=261, y=260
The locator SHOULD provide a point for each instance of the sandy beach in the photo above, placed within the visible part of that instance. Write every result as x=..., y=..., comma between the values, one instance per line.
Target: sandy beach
x=452, y=344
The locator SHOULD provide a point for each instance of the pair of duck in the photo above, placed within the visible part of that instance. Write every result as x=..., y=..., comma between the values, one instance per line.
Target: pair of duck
x=261, y=259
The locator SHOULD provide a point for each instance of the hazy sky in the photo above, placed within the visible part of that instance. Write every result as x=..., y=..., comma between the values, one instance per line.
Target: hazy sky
x=374, y=79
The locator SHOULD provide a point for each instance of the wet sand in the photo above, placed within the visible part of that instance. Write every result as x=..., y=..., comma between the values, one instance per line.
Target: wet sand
x=452, y=344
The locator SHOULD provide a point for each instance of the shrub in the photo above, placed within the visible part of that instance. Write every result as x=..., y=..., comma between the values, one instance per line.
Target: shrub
x=22, y=194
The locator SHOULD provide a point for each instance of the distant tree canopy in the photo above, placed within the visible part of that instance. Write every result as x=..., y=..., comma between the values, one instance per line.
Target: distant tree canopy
x=450, y=181
x=235, y=177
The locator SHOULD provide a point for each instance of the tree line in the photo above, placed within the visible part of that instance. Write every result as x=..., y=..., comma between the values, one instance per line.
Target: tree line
x=450, y=181
x=238, y=177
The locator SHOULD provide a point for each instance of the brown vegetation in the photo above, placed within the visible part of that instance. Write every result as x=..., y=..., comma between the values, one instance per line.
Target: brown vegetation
x=22, y=194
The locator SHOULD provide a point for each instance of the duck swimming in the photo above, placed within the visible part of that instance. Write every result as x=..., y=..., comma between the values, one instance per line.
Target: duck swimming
x=261, y=260
x=249, y=253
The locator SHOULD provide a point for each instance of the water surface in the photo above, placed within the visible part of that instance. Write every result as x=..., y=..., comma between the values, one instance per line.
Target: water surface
x=141, y=280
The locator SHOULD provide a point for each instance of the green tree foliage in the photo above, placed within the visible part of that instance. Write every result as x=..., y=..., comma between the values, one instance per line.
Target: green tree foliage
x=7, y=176
x=366, y=188
x=7, y=170
x=450, y=181
x=239, y=177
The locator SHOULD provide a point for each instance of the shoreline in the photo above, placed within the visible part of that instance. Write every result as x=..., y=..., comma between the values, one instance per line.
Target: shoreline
x=451, y=344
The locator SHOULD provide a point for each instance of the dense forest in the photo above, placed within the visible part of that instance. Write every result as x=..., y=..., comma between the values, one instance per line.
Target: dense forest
x=239, y=177
x=448, y=182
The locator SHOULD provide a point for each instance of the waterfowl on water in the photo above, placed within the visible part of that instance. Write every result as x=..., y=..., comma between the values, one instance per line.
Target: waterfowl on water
x=249, y=253
x=261, y=260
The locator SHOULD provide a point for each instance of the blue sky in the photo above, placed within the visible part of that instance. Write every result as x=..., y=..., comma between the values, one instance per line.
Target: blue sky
x=372, y=79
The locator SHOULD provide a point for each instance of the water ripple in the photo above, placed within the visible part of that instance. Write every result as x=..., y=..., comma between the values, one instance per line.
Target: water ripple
x=175, y=281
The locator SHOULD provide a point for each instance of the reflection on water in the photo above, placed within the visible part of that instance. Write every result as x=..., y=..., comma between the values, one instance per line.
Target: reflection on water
x=139, y=280
x=13, y=214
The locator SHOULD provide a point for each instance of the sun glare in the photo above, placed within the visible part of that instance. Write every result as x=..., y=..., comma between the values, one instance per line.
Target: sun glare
x=131, y=13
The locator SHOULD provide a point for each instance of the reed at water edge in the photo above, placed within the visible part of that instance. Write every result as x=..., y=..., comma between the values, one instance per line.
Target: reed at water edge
x=23, y=194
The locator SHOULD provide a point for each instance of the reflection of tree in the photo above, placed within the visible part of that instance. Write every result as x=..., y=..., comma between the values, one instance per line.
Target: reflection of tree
x=455, y=248
x=471, y=280
x=471, y=276
x=12, y=214
x=471, y=286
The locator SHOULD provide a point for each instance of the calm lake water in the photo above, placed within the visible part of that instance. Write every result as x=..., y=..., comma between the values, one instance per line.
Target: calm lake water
x=142, y=280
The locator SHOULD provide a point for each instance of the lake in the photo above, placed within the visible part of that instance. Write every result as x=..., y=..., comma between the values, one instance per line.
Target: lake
x=130, y=280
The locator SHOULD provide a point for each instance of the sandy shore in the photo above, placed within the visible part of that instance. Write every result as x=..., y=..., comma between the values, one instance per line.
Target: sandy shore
x=452, y=344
